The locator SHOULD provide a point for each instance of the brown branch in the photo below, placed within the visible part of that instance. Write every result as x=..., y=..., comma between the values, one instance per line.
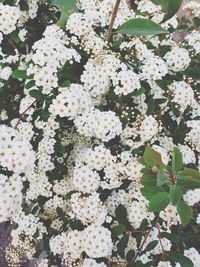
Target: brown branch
x=23, y=113
x=114, y=15
x=141, y=246
x=11, y=43
x=160, y=241
x=135, y=232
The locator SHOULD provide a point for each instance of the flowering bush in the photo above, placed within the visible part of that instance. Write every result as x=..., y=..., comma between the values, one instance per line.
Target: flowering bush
x=100, y=132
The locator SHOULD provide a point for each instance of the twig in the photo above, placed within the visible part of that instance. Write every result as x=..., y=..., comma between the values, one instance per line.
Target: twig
x=22, y=114
x=136, y=232
x=142, y=245
x=11, y=43
x=160, y=240
x=114, y=15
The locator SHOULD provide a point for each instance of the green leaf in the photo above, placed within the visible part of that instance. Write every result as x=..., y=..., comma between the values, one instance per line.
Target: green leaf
x=36, y=234
x=185, y=212
x=175, y=194
x=197, y=22
x=177, y=161
x=163, y=84
x=121, y=245
x=66, y=7
x=162, y=3
x=152, y=245
x=141, y=27
x=37, y=94
x=175, y=239
x=121, y=214
x=149, y=191
x=173, y=7
x=151, y=106
x=60, y=212
x=59, y=148
x=162, y=178
x=130, y=255
x=152, y=158
x=30, y=84
x=190, y=172
x=187, y=182
x=138, y=92
x=24, y=5
x=178, y=257
x=192, y=72
x=159, y=202
x=169, y=7
x=19, y=74
x=65, y=84
x=118, y=229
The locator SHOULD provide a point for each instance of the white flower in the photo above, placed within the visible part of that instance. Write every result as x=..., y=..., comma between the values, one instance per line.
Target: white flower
x=125, y=81
x=10, y=196
x=193, y=255
x=5, y=73
x=102, y=125
x=9, y=16
x=177, y=59
x=183, y=94
x=97, y=241
x=86, y=180
x=192, y=197
x=88, y=209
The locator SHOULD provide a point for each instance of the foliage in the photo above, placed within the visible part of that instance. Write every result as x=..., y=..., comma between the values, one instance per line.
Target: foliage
x=99, y=134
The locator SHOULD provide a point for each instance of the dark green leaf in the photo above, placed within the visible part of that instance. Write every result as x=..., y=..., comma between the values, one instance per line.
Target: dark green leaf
x=60, y=212
x=36, y=234
x=173, y=7
x=159, y=202
x=177, y=160
x=130, y=255
x=26, y=211
x=163, y=84
x=192, y=72
x=19, y=74
x=59, y=148
x=185, y=212
x=197, y=22
x=152, y=245
x=37, y=94
x=65, y=84
x=175, y=239
x=175, y=194
x=169, y=7
x=162, y=3
x=30, y=84
x=121, y=245
x=141, y=27
x=178, y=257
x=139, y=92
x=151, y=107
x=24, y=5
x=66, y=8
x=121, y=214
x=76, y=225
x=118, y=229
x=162, y=178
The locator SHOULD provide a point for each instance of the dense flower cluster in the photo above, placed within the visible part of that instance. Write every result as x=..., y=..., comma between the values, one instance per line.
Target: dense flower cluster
x=100, y=133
